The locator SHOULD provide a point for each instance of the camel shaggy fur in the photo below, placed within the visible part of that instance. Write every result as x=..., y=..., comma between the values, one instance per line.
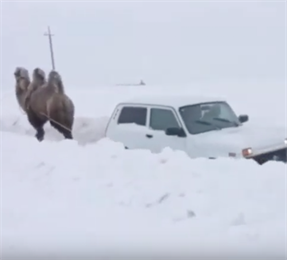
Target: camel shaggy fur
x=22, y=83
x=48, y=102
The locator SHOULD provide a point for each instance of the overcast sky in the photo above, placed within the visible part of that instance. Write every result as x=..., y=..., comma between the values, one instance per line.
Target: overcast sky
x=159, y=42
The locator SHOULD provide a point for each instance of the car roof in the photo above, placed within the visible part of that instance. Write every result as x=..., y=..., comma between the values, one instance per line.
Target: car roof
x=173, y=100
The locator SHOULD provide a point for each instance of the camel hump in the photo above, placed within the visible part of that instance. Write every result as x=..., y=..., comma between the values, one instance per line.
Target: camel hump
x=39, y=75
x=55, y=79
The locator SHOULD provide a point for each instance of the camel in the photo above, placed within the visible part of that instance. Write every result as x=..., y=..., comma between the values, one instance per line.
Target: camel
x=47, y=101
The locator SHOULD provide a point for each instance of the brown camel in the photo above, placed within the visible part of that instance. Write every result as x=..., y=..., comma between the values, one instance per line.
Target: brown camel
x=22, y=82
x=48, y=102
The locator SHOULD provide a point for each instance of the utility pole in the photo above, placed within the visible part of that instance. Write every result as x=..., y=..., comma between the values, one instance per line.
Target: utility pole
x=51, y=46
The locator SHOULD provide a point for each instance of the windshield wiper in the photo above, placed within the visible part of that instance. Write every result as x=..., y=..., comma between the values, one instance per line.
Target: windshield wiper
x=207, y=123
x=203, y=122
x=224, y=120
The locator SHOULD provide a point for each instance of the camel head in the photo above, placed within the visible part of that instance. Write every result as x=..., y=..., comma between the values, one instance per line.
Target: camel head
x=22, y=78
x=21, y=73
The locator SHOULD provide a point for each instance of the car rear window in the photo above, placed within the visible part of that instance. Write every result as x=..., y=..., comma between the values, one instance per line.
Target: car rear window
x=130, y=115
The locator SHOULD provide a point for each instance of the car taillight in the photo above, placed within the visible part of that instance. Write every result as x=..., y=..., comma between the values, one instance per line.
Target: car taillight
x=247, y=152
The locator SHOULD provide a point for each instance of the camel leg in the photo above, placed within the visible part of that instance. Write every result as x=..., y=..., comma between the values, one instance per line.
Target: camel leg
x=68, y=135
x=40, y=134
x=38, y=124
x=63, y=130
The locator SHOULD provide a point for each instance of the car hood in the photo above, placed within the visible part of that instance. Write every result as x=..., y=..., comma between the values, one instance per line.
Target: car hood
x=233, y=140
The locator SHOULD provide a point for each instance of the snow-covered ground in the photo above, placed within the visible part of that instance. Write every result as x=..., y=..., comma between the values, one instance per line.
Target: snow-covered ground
x=90, y=195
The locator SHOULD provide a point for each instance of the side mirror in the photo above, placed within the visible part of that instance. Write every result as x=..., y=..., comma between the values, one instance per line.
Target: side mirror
x=175, y=131
x=243, y=118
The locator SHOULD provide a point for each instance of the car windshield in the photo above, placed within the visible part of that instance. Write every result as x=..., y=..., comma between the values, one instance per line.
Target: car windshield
x=207, y=117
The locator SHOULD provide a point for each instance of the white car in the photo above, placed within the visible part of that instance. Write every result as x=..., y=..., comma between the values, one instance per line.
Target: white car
x=200, y=126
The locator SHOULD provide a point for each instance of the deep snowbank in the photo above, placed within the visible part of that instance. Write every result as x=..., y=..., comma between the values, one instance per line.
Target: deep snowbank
x=63, y=197
x=85, y=129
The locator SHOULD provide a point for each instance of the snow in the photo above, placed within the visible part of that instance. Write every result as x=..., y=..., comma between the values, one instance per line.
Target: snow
x=85, y=198
x=91, y=196
x=86, y=129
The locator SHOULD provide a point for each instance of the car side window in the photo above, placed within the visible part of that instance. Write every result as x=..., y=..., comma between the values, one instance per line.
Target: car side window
x=161, y=119
x=130, y=115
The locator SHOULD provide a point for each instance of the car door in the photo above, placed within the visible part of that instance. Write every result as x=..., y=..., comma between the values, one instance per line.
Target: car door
x=161, y=118
x=130, y=126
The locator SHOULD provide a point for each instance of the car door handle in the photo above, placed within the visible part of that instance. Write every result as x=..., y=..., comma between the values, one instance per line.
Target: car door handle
x=149, y=136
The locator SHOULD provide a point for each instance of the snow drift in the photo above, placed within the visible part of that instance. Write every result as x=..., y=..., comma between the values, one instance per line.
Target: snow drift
x=91, y=196
x=62, y=197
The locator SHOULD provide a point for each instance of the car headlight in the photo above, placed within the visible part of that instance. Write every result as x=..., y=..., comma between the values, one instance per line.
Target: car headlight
x=247, y=151
x=285, y=141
